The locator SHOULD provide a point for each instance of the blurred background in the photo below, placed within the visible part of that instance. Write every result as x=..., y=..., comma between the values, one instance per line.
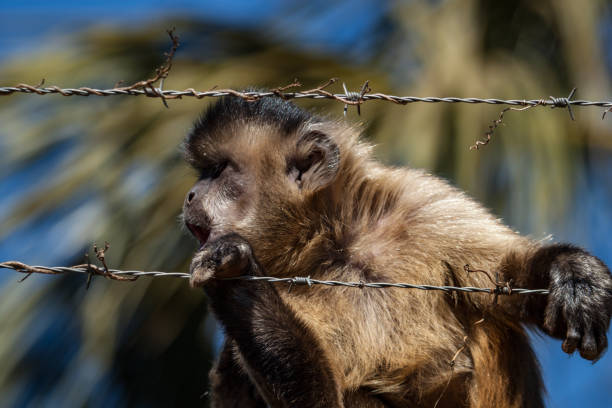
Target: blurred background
x=78, y=170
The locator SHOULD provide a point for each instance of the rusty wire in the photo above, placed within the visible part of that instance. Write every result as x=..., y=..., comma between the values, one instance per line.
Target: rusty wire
x=147, y=88
x=347, y=98
x=116, y=274
x=352, y=98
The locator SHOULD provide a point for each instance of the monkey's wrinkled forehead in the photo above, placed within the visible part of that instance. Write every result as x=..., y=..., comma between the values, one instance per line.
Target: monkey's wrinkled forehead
x=214, y=131
x=271, y=111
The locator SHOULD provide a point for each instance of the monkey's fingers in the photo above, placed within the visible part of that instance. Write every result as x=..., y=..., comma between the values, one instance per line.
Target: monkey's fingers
x=585, y=333
x=233, y=260
x=200, y=272
x=563, y=321
x=602, y=342
x=229, y=255
x=200, y=276
x=554, y=319
x=577, y=322
x=572, y=338
x=594, y=341
x=588, y=346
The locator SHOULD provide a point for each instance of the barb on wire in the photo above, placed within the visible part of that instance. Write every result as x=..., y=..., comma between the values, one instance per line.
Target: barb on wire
x=90, y=273
x=279, y=91
x=161, y=73
x=564, y=102
x=100, y=254
x=131, y=274
x=356, y=96
x=501, y=288
x=553, y=102
x=499, y=121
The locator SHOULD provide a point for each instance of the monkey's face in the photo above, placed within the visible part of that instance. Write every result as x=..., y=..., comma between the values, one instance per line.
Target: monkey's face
x=254, y=172
x=246, y=176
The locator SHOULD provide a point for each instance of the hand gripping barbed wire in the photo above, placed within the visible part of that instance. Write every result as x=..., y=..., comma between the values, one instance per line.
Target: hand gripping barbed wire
x=93, y=270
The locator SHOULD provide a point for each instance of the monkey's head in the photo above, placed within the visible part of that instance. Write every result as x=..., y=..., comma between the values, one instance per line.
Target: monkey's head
x=263, y=167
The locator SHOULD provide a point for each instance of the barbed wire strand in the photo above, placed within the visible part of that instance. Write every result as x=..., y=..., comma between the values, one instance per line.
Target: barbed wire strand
x=348, y=99
x=115, y=273
x=147, y=88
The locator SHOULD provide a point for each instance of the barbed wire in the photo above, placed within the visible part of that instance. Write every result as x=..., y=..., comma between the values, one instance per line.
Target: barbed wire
x=352, y=98
x=147, y=88
x=93, y=270
x=501, y=288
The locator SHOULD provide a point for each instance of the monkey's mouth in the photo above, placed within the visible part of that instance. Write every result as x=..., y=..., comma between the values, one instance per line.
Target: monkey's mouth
x=201, y=233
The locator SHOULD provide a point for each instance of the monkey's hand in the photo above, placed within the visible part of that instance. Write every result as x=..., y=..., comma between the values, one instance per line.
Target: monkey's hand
x=225, y=257
x=579, y=305
x=282, y=356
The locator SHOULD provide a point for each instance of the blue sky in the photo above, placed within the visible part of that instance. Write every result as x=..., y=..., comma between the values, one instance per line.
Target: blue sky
x=26, y=23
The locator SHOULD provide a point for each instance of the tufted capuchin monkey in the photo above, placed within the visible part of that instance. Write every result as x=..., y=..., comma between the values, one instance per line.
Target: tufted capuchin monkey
x=284, y=193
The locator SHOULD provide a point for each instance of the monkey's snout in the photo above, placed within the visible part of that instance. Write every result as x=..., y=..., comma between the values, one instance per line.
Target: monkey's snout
x=195, y=217
x=196, y=193
x=193, y=196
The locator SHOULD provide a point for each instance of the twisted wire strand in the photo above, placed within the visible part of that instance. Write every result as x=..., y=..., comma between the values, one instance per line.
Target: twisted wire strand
x=345, y=98
x=96, y=270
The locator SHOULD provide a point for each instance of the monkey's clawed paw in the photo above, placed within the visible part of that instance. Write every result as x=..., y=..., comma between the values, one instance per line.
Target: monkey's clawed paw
x=225, y=257
x=580, y=303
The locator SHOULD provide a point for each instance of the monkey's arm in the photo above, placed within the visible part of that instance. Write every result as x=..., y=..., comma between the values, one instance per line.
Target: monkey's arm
x=230, y=385
x=281, y=355
x=579, y=306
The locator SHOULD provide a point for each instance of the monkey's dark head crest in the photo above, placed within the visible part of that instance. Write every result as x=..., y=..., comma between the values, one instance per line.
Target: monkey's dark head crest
x=272, y=111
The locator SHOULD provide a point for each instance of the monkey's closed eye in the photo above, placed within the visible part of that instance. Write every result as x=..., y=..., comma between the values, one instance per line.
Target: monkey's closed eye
x=213, y=171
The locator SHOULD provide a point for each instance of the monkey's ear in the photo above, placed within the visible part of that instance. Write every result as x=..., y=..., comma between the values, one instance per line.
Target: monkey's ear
x=315, y=161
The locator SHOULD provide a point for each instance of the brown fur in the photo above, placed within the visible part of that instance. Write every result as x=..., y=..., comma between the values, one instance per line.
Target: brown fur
x=369, y=222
